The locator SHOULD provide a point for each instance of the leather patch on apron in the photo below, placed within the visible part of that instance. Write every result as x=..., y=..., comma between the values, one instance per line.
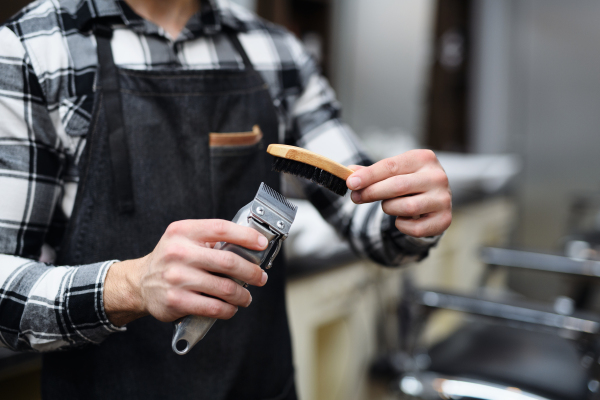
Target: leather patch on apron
x=236, y=139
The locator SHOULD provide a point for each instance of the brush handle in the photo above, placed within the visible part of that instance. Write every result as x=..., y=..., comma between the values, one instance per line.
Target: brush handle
x=308, y=157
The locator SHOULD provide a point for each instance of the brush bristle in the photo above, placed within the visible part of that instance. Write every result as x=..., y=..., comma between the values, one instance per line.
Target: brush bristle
x=317, y=175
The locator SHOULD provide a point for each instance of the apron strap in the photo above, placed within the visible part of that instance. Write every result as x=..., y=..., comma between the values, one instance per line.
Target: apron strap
x=235, y=41
x=111, y=101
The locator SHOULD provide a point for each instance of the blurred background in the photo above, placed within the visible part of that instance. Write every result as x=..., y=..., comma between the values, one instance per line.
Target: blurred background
x=508, y=95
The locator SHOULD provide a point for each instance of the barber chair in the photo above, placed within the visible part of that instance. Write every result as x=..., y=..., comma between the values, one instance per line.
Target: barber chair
x=509, y=348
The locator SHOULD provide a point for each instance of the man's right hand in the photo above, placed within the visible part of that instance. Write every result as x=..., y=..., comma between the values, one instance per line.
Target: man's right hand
x=168, y=282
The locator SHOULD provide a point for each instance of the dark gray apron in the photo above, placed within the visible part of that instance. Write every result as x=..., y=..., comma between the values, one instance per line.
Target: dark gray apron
x=146, y=164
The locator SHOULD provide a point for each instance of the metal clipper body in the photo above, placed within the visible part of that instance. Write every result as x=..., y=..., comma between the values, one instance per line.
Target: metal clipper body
x=269, y=213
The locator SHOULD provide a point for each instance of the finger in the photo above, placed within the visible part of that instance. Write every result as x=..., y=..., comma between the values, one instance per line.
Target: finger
x=196, y=280
x=230, y=264
x=356, y=167
x=430, y=225
x=189, y=303
x=405, y=163
x=414, y=206
x=390, y=188
x=218, y=230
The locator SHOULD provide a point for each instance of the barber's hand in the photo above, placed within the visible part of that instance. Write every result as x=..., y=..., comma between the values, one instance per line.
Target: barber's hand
x=412, y=186
x=167, y=283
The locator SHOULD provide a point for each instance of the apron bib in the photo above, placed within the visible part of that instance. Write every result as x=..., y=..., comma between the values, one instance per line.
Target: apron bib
x=148, y=162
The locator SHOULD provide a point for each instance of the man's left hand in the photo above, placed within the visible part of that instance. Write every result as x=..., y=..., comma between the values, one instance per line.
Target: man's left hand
x=412, y=186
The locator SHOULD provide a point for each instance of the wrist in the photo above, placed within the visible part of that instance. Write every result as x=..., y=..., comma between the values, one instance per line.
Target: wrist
x=122, y=297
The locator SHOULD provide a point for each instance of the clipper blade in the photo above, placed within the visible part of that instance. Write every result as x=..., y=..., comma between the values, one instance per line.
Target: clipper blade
x=277, y=202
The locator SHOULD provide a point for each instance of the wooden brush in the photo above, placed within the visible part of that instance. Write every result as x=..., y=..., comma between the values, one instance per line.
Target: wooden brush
x=306, y=164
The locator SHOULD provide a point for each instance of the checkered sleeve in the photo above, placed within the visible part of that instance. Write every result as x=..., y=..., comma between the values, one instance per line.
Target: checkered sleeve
x=315, y=125
x=42, y=307
x=45, y=308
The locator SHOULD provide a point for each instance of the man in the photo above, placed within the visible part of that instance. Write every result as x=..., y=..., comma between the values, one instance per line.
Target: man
x=107, y=111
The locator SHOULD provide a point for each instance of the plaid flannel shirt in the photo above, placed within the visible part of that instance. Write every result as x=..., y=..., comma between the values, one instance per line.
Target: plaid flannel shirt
x=48, y=66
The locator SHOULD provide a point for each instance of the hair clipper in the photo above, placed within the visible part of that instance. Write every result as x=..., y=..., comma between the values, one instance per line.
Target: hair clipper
x=269, y=213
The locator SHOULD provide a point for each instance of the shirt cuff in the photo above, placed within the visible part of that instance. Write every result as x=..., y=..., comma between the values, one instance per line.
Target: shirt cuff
x=84, y=304
x=412, y=248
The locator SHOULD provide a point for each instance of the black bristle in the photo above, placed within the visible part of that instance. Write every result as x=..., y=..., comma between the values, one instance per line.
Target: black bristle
x=317, y=175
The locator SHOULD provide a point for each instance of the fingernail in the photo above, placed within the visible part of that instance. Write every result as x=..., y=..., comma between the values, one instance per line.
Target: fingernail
x=264, y=278
x=262, y=241
x=250, y=302
x=354, y=182
x=356, y=197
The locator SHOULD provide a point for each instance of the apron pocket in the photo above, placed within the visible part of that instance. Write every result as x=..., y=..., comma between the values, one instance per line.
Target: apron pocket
x=237, y=166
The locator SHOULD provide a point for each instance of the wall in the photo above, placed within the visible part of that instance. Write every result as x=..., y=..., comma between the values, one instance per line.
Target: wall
x=380, y=62
x=555, y=104
x=490, y=77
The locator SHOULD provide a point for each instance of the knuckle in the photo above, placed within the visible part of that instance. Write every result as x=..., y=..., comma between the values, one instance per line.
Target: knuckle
x=411, y=207
x=440, y=177
x=391, y=165
x=400, y=225
x=226, y=260
x=418, y=231
x=400, y=185
x=446, y=220
x=387, y=207
x=174, y=228
x=228, y=287
x=214, y=309
x=172, y=299
x=246, y=297
x=219, y=227
x=173, y=276
x=447, y=202
x=256, y=274
x=174, y=252
x=426, y=155
x=227, y=311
